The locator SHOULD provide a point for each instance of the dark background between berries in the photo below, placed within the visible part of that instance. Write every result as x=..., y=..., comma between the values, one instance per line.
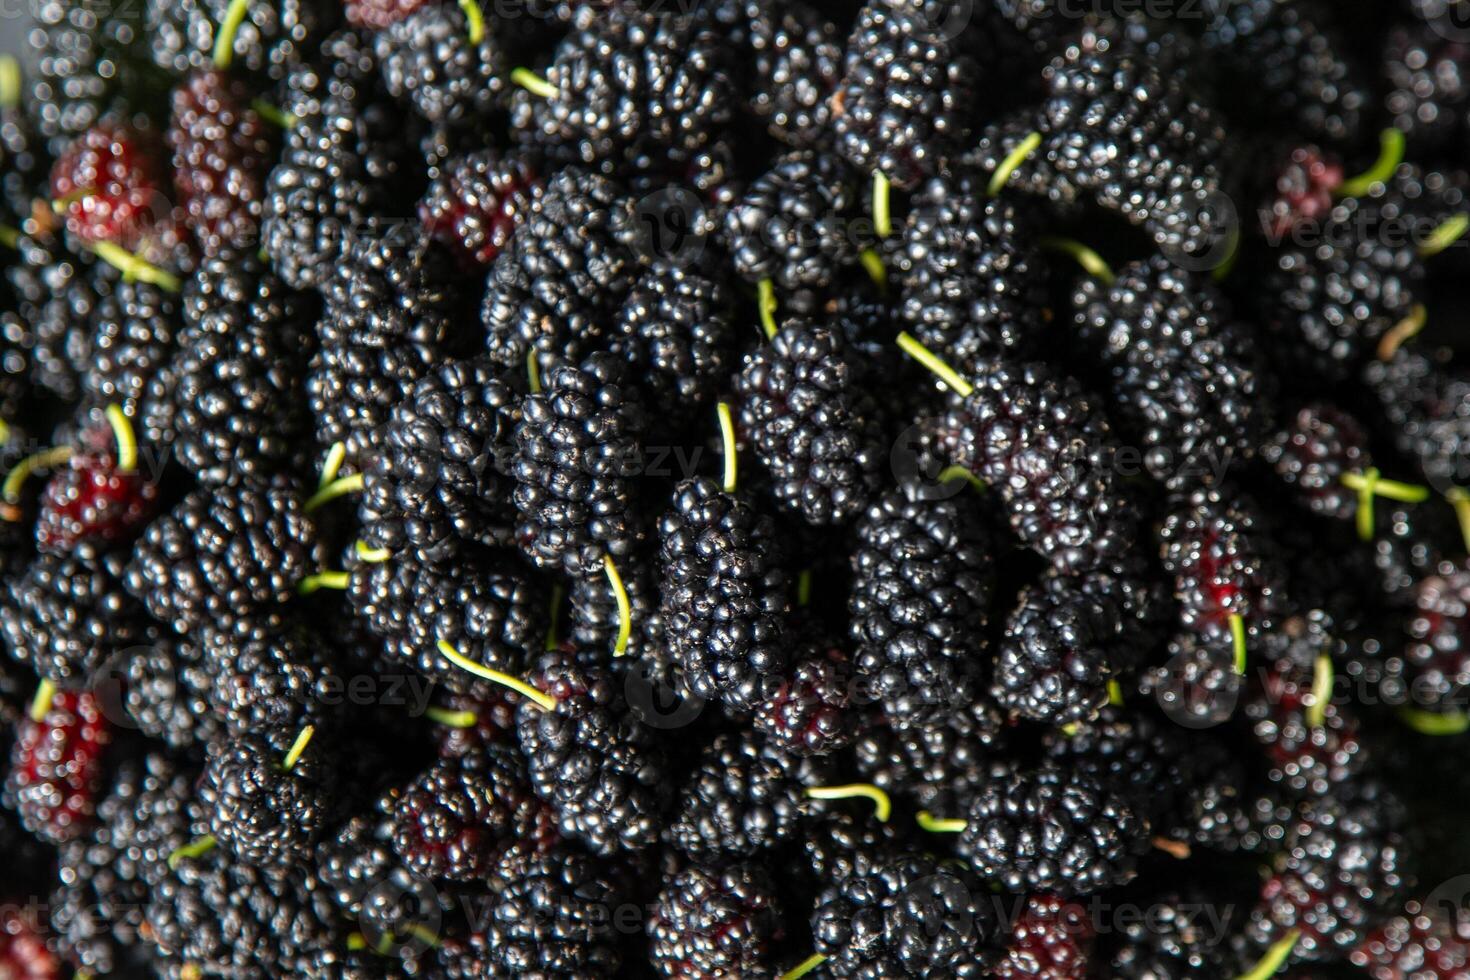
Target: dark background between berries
x=425, y=634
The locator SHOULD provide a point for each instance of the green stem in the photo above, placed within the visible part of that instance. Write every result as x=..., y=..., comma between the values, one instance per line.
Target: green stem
x=371, y=556
x=958, y=472
x=765, y=294
x=545, y=701
x=10, y=237
x=1115, y=694
x=533, y=371
x=475, y=18
x=1012, y=160
x=298, y=747
x=1092, y=263
x=1321, y=690
x=804, y=967
x=193, y=849
x=804, y=587
x=872, y=263
x=339, y=487
x=272, y=114
x=1275, y=957
x=1400, y=333
x=727, y=441
x=453, y=719
x=551, y=630
x=44, y=460
x=533, y=83
x=882, y=204
x=625, y=608
x=1434, y=723
x=332, y=465
x=1408, y=493
x=127, y=442
x=932, y=361
x=135, y=268
x=882, y=805
x=1237, y=639
x=229, y=26
x=940, y=825
x=337, y=581
x=41, y=703
x=10, y=82
x=1445, y=235
x=1390, y=155
x=1459, y=499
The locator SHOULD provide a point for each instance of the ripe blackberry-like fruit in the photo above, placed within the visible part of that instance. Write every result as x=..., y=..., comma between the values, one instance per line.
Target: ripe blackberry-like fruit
x=264, y=673
x=476, y=203
x=1046, y=449
x=837, y=843
x=488, y=609
x=1424, y=404
x=1049, y=828
x=908, y=915
x=54, y=294
x=22, y=156
x=90, y=504
x=166, y=690
x=264, y=807
x=1330, y=306
x=918, y=603
x=325, y=185
x=793, y=223
x=232, y=401
x=811, y=712
x=812, y=424
x=432, y=60
x=223, y=553
x=593, y=616
x=627, y=81
x=1224, y=563
x=716, y=920
x=225, y=918
x=1286, y=59
x=1121, y=124
x=114, y=187
x=389, y=315
x=1057, y=656
x=458, y=822
x=725, y=593
x=549, y=916
x=24, y=950
x=1344, y=868
x=1184, y=940
x=676, y=331
x=132, y=336
x=1303, y=195
x=1437, y=655
x=1197, y=683
x=1321, y=443
x=1186, y=383
x=1049, y=940
x=938, y=766
x=574, y=444
x=221, y=159
x=796, y=66
x=1428, y=91
x=602, y=770
x=56, y=767
x=271, y=39
x=378, y=14
x=745, y=796
x=442, y=472
x=970, y=272
x=67, y=617
x=570, y=263
x=907, y=83
x=1423, y=940
x=103, y=879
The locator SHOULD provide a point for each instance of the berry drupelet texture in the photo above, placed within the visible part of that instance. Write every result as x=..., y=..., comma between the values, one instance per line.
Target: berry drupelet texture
x=714, y=920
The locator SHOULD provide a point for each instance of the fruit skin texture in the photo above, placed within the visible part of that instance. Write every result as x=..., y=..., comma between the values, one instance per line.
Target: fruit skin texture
x=221, y=554
x=113, y=181
x=574, y=444
x=90, y=504
x=602, y=771
x=792, y=225
x=917, y=605
x=1318, y=447
x=1049, y=940
x=429, y=61
x=811, y=423
x=907, y=915
x=716, y=921
x=725, y=595
x=1057, y=656
x=476, y=203
x=675, y=329
x=549, y=917
x=745, y=796
x=1049, y=829
x=56, y=767
x=68, y=617
x=221, y=157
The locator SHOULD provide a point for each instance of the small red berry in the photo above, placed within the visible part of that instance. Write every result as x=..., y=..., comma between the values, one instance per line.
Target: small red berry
x=56, y=767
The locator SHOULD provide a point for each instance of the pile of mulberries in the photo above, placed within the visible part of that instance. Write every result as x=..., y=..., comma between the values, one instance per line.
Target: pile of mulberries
x=844, y=489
